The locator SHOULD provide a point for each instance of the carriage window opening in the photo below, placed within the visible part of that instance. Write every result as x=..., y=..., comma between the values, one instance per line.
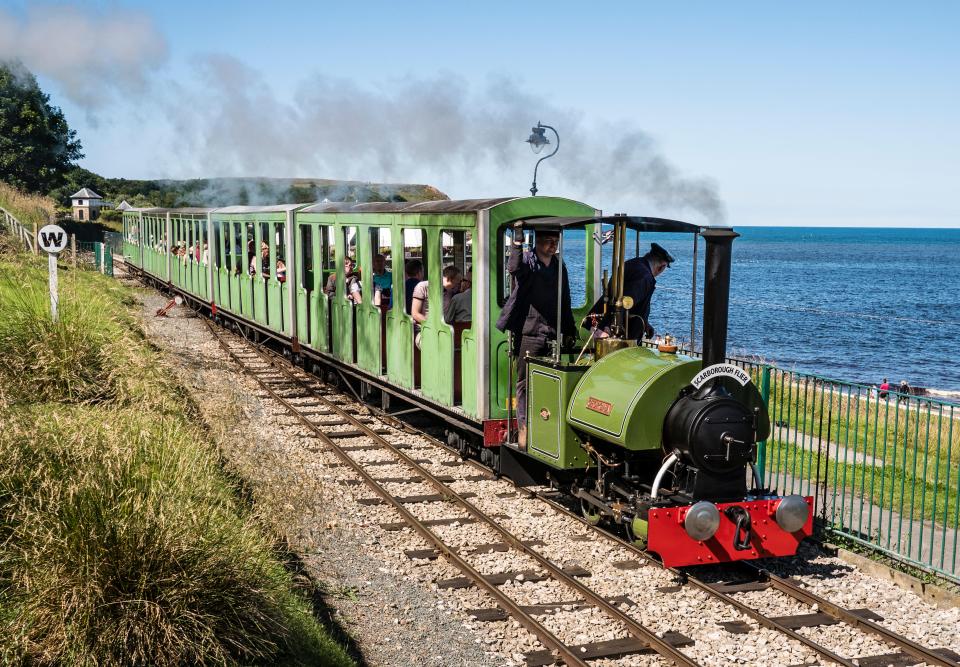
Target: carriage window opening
x=306, y=257
x=381, y=263
x=229, y=246
x=457, y=275
x=505, y=241
x=226, y=246
x=351, y=282
x=414, y=262
x=252, y=251
x=280, y=251
x=575, y=249
x=215, y=247
x=330, y=254
x=262, y=264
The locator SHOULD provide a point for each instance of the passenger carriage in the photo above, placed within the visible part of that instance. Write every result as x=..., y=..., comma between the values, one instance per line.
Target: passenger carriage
x=461, y=371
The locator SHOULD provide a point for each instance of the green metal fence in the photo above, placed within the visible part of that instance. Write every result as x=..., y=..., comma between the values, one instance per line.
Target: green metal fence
x=96, y=255
x=884, y=467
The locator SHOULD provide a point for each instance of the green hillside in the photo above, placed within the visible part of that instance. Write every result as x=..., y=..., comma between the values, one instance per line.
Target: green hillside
x=242, y=191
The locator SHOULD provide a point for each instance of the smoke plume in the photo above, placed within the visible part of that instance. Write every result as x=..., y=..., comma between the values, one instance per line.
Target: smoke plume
x=466, y=140
x=93, y=57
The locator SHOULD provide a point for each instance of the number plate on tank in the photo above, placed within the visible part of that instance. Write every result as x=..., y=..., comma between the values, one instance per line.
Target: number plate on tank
x=597, y=405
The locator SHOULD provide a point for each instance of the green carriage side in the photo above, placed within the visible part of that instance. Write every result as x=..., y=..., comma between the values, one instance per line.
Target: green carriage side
x=461, y=369
x=246, y=284
x=151, y=237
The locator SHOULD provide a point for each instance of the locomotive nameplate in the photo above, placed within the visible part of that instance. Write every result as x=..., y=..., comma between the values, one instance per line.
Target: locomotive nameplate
x=719, y=370
x=597, y=405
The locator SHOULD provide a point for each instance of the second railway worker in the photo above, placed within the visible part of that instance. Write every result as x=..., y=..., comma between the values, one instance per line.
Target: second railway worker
x=531, y=311
x=639, y=282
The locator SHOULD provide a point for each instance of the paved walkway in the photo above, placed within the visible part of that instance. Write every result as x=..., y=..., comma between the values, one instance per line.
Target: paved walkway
x=811, y=443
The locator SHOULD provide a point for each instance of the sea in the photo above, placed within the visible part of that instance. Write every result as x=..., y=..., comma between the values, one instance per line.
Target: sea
x=851, y=304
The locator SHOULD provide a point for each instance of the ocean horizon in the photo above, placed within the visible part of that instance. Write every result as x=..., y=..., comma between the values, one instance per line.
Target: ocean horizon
x=850, y=303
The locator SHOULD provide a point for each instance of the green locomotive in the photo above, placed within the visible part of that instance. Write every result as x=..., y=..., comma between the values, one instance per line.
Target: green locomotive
x=633, y=432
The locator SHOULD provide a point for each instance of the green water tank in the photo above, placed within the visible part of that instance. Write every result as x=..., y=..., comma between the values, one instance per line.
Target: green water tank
x=625, y=396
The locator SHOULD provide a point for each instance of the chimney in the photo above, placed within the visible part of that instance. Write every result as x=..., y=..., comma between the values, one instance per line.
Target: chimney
x=716, y=293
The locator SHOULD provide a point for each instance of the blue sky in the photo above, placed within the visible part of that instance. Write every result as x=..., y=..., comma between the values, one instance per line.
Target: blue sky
x=838, y=114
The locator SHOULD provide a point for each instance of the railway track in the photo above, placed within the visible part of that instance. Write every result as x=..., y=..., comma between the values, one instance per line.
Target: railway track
x=305, y=399
x=283, y=384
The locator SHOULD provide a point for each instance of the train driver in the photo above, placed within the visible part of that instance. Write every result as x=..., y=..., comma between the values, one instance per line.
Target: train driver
x=639, y=282
x=530, y=313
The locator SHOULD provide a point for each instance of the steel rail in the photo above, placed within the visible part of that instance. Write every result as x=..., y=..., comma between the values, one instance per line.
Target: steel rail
x=779, y=583
x=547, y=638
x=837, y=612
x=845, y=615
x=639, y=631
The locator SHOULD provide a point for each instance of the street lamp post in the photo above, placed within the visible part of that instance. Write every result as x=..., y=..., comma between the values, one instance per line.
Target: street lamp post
x=537, y=141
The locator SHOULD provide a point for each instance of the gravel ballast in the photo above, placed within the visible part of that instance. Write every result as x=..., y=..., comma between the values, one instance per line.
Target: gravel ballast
x=392, y=604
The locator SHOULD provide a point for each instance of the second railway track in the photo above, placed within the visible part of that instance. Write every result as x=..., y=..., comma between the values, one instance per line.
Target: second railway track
x=462, y=537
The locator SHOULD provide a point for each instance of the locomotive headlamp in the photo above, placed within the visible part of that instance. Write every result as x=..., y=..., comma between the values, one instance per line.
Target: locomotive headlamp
x=792, y=513
x=702, y=520
x=538, y=139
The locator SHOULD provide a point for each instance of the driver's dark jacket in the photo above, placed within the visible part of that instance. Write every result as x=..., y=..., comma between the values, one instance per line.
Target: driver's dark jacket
x=531, y=309
x=638, y=284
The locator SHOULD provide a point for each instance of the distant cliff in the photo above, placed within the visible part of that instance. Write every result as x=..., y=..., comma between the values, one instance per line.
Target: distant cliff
x=252, y=191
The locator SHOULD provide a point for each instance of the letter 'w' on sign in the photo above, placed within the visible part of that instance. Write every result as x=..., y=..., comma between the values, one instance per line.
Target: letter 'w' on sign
x=52, y=239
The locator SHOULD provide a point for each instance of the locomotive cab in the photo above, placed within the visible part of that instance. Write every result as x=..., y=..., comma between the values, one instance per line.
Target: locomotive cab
x=659, y=443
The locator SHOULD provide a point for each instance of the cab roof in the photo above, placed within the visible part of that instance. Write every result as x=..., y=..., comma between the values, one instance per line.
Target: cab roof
x=642, y=224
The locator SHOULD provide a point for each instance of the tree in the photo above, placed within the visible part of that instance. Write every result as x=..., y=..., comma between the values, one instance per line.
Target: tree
x=36, y=145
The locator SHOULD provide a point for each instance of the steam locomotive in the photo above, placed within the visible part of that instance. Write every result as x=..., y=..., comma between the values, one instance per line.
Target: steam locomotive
x=657, y=443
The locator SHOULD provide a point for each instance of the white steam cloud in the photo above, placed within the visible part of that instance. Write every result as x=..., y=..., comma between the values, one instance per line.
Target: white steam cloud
x=466, y=141
x=94, y=57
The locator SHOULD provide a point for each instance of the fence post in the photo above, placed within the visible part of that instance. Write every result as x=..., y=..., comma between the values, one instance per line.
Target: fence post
x=73, y=249
x=762, y=445
x=36, y=246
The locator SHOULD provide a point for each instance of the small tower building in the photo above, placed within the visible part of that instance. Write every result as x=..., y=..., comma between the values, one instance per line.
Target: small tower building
x=86, y=205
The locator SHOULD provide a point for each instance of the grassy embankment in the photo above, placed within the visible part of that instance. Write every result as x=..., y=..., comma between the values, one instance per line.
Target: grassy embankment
x=909, y=451
x=122, y=541
x=29, y=209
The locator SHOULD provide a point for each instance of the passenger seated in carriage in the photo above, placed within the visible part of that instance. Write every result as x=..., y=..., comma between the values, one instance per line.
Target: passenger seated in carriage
x=421, y=293
x=352, y=282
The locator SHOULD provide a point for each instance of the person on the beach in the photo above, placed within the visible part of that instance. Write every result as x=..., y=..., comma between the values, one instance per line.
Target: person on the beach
x=884, y=388
x=904, y=390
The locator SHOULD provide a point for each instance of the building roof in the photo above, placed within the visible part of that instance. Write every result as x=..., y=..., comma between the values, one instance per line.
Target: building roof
x=124, y=206
x=85, y=193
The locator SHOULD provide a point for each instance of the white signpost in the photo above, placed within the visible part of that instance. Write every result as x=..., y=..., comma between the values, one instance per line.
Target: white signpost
x=52, y=239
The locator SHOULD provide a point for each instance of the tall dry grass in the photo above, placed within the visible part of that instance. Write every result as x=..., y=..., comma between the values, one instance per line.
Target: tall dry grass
x=27, y=208
x=121, y=540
